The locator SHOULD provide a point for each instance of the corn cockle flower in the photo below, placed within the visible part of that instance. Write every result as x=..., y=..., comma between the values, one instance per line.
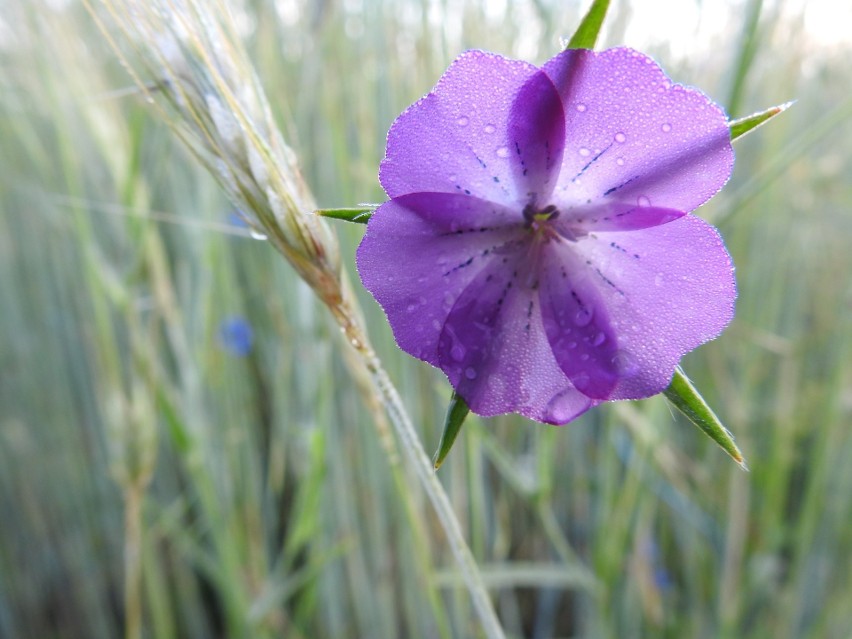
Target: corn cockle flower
x=537, y=245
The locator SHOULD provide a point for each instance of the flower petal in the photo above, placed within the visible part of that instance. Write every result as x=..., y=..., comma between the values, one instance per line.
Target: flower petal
x=420, y=252
x=473, y=134
x=666, y=290
x=615, y=216
x=495, y=353
x=576, y=321
x=633, y=136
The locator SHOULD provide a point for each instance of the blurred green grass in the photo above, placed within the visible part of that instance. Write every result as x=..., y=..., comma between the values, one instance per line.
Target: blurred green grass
x=268, y=507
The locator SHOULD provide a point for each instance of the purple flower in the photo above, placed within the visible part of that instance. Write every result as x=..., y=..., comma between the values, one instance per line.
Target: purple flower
x=537, y=245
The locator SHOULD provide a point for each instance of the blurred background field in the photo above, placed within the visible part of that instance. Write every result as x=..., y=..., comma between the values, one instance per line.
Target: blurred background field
x=155, y=358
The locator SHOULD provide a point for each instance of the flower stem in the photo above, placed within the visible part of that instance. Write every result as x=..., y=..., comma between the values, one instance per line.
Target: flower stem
x=416, y=458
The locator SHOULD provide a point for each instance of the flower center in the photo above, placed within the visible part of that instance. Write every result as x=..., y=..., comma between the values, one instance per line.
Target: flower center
x=538, y=221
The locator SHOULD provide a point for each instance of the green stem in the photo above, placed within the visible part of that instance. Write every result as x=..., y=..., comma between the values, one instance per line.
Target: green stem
x=415, y=458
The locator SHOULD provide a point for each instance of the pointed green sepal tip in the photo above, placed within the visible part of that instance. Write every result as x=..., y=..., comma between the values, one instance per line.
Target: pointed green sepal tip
x=360, y=214
x=686, y=398
x=749, y=123
x=590, y=26
x=456, y=413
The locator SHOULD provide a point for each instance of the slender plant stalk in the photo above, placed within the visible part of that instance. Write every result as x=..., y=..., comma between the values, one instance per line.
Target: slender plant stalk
x=417, y=459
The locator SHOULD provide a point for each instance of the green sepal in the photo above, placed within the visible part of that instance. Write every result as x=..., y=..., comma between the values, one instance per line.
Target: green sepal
x=360, y=214
x=686, y=398
x=744, y=125
x=590, y=26
x=456, y=413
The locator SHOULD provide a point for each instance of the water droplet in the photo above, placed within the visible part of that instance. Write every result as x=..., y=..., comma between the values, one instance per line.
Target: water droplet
x=585, y=152
x=584, y=357
x=625, y=363
x=658, y=279
x=470, y=373
x=454, y=178
x=457, y=352
x=561, y=408
x=462, y=121
x=490, y=128
x=256, y=235
x=436, y=325
x=666, y=127
x=572, y=345
x=411, y=308
x=503, y=152
x=619, y=161
x=581, y=380
x=583, y=317
x=642, y=200
x=620, y=137
x=581, y=107
x=598, y=339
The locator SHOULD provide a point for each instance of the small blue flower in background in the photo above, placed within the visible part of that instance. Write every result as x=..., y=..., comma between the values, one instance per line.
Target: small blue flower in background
x=236, y=336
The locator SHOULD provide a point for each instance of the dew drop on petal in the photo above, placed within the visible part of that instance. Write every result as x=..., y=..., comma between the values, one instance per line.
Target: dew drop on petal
x=462, y=121
x=470, y=373
x=581, y=381
x=560, y=409
x=666, y=127
x=599, y=339
x=490, y=128
x=619, y=161
x=581, y=107
x=584, y=357
x=457, y=352
x=583, y=317
x=572, y=345
x=643, y=200
x=625, y=363
x=658, y=279
x=585, y=152
x=503, y=152
x=620, y=137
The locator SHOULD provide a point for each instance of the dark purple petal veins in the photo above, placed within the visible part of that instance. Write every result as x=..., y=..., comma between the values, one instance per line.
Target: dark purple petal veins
x=449, y=213
x=416, y=264
x=634, y=137
x=458, y=138
x=494, y=351
x=537, y=138
x=615, y=216
x=666, y=289
x=576, y=322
